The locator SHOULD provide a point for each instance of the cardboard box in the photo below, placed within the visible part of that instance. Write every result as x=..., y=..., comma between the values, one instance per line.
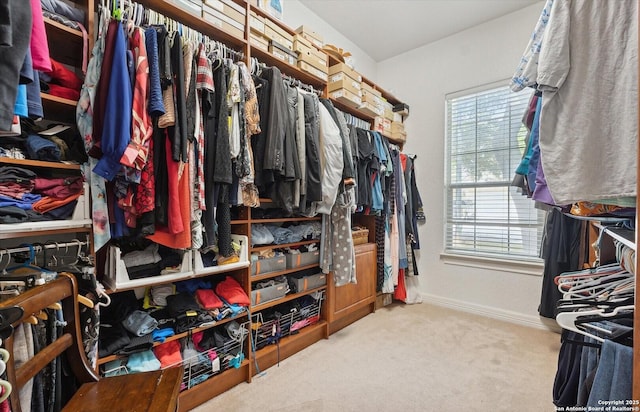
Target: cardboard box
x=373, y=100
x=371, y=109
x=367, y=88
x=311, y=55
x=259, y=41
x=274, y=32
x=397, y=127
x=342, y=81
x=301, y=40
x=282, y=52
x=222, y=16
x=382, y=125
x=342, y=67
x=346, y=97
x=223, y=25
x=312, y=36
x=304, y=66
x=228, y=8
x=398, y=137
x=314, y=60
x=194, y=8
x=388, y=111
x=256, y=23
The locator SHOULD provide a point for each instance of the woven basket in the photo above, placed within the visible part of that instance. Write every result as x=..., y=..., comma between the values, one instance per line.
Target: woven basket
x=360, y=235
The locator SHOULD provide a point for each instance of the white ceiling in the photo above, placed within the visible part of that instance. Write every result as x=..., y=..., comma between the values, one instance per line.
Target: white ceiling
x=386, y=28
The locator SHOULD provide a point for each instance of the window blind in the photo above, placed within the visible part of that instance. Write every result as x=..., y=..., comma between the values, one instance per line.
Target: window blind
x=485, y=215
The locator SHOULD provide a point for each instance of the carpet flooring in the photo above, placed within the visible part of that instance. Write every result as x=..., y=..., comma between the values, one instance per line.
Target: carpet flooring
x=409, y=358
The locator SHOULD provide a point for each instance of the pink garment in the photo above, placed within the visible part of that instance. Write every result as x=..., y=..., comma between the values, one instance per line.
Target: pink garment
x=39, y=45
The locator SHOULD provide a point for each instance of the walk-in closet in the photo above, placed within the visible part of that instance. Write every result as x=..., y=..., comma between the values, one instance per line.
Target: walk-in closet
x=318, y=205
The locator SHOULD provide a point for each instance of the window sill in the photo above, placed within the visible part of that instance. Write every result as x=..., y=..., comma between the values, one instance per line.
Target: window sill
x=533, y=268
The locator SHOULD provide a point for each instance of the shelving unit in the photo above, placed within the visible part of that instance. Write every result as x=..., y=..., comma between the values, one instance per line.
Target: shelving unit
x=340, y=306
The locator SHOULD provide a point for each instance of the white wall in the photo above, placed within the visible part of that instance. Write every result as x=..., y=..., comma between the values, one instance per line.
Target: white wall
x=422, y=77
x=296, y=14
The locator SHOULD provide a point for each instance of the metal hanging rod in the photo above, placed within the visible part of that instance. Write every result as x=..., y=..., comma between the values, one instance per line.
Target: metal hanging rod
x=40, y=247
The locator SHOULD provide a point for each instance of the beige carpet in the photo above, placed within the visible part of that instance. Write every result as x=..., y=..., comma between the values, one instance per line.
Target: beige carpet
x=409, y=358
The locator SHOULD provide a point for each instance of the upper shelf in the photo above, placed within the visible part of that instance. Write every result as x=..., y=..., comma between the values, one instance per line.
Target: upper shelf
x=625, y=236
x=65, y=43
x=39, y=163
x=288, y=69
x=195, y=22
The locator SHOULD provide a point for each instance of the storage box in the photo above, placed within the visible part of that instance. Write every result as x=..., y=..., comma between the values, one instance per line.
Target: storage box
x=315, y=61
x=193, y=7
x=299, y=283
x=311, y=35
x=222, y=23
x=367, y=88
x=117, y=277
x=397, y=117
x=346, y=97
x=256, y=23
x=274, y=32
x=398, y=137
x=228, y=8
x=199, y=267
x=282, y=52
x=302, y=65
x=301, y=41
x=259, y=41
x=302, y=259
x=342, y=67
x=311, y=55
x=262, y=266
x=382, y=125
x=397, y=127
x=374, y=100
x=279, y=289
x=371, y=109
x=342, y=81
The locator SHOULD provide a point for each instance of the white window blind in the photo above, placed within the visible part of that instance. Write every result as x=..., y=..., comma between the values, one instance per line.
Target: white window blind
x=485, y=143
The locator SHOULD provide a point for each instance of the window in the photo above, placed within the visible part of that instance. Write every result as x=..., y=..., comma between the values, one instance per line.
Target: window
x=485, y=215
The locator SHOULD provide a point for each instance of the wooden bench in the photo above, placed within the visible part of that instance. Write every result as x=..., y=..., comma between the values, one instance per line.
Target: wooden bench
x=149, y=391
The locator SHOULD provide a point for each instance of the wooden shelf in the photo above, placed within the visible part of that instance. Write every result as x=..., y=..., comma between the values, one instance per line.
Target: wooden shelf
x=351, y=110
x=286, y=298
x=65, y=43
x=285, y=219
x=39, y=163
x=284, y=245
x=59, y=108
x=270, y=275
x=195, y=22
x=288, y=69
x=177, y=336
x=52, y=227
x=240, y=222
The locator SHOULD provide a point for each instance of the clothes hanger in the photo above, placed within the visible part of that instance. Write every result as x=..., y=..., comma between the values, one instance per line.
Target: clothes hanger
x=570, y=320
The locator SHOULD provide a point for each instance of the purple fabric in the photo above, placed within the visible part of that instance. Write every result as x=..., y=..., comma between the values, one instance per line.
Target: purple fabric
x=542, y=193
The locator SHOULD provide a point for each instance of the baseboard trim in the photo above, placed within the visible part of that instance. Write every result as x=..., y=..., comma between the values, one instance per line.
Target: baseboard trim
x=490, y=312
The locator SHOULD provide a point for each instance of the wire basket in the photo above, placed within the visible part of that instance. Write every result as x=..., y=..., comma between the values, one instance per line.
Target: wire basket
x=206, y=364
x=360, y=235
x=286, y=319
